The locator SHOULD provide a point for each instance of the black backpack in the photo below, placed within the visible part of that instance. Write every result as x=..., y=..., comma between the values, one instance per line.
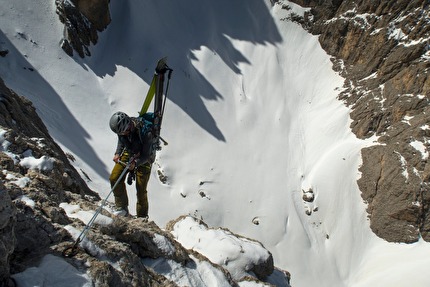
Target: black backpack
x=148, y=137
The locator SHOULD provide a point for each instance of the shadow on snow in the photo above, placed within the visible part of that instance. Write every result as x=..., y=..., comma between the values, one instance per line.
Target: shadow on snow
x=61, y=123
x=141, y=32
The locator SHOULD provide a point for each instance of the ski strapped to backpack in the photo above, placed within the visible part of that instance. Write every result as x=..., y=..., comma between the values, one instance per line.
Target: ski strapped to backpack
x=150, y=123
x=157, y=88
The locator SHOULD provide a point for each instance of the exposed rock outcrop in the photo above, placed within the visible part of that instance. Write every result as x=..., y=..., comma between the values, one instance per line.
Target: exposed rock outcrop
x=261, y=266
x=382, y=50
x=7, y=234
x=24, y=137
x=82, y=20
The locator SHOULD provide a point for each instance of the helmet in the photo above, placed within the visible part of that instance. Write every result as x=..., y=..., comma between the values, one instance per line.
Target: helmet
x=119, y=122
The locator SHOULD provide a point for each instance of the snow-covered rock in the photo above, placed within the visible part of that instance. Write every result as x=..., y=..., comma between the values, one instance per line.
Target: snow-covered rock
x=239, y=255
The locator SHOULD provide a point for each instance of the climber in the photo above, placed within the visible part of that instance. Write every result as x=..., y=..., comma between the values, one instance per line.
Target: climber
x=135, y=141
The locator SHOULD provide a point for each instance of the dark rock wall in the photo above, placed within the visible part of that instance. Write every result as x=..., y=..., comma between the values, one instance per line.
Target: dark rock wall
x=382, y=50
x=82, y=19
x=26, y=131
x=26, y=232
x=7, y=234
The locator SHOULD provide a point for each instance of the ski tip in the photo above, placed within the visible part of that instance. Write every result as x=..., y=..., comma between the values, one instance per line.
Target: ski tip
x=162, y=66
x=163, y=60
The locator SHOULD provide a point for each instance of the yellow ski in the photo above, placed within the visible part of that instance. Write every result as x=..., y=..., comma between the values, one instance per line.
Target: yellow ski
x=155, y=87
x=149, y=97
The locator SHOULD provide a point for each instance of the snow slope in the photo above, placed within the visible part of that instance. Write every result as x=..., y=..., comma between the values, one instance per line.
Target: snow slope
x=252, y=122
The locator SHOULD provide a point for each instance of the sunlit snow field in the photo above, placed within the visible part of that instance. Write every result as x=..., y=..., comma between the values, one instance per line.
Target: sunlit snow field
x=252, y=121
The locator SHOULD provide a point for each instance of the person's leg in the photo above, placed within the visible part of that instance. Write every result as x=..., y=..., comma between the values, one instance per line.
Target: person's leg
x=120, y=192
x=143, y=173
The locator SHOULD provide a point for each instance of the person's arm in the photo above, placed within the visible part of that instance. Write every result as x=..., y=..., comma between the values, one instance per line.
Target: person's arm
x=118, y=151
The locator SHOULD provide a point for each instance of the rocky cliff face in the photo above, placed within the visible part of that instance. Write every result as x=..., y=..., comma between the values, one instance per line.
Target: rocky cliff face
x=41, y=197
x=23, y=137
x=82, y=20
x=382, y=49
x=7, y=233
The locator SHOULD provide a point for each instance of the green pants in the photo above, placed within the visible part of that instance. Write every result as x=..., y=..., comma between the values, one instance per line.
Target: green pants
x=143, y=173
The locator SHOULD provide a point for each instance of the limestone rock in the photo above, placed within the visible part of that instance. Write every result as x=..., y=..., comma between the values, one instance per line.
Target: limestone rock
x=35, y=192
x=392, y=193
x=382, y=50
x=82, y=20
x=96, y=11
x=244, y=247
x=25, y=132
x=144, y=239
x=7, y=233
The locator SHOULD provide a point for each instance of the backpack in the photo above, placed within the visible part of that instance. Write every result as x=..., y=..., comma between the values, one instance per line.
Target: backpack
x=148, y=137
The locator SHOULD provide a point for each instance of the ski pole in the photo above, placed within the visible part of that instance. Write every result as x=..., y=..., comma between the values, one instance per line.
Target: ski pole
x=73, y=249
x=164, y=141
x=169, y=76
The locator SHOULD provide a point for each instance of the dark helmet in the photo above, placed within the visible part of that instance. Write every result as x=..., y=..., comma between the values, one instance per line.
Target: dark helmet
x=119, y=122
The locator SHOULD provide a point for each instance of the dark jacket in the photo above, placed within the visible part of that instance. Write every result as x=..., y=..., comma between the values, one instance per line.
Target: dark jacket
x=138, y=143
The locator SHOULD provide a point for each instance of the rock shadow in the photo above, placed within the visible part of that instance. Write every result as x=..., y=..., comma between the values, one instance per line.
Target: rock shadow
x=61, y=123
